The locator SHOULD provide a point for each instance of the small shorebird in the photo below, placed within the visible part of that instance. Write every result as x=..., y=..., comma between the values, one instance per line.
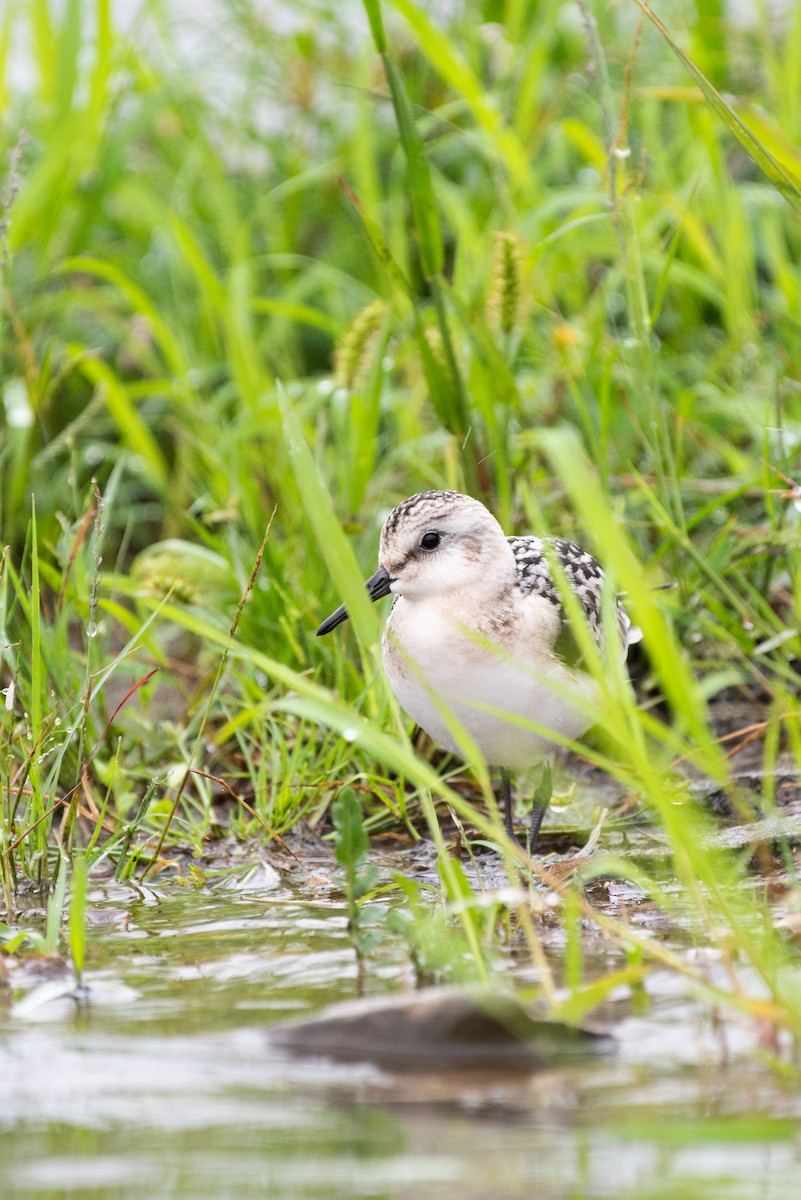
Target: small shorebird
x=477, y=630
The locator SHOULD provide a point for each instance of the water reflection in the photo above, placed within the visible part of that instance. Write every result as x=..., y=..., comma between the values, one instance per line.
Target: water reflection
x=167, y=1086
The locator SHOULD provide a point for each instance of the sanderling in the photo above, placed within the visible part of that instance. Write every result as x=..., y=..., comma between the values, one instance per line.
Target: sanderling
x=477, y=630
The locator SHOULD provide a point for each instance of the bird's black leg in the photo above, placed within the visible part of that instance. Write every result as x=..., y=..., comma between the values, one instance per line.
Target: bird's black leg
x=506, y=792
x=542, y=798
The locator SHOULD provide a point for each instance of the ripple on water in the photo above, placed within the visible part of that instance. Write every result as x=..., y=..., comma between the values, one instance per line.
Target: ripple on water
x=169, y=1088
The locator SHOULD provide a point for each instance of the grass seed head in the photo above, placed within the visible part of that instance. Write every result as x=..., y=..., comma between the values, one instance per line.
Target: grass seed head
x=507, y=301
x=355, y=354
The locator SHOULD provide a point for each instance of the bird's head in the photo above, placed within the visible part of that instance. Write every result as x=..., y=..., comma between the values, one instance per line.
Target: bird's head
x=436, y=543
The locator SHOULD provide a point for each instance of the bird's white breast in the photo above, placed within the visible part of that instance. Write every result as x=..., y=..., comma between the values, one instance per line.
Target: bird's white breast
x=432, y=661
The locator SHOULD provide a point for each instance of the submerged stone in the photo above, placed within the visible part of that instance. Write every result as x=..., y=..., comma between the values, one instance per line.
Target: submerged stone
x=439, y=1029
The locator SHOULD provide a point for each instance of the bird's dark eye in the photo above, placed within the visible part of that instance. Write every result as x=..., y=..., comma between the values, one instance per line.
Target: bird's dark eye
x=430, y=541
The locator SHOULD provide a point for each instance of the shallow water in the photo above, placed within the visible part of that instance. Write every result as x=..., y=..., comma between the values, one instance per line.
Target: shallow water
x=165, y=1086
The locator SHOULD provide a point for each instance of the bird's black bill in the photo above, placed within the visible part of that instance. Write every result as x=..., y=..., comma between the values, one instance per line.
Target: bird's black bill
x=377, y=585
x=331, y=622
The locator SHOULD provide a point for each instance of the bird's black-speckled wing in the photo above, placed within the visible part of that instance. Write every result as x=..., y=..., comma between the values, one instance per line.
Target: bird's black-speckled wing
x=583, y=573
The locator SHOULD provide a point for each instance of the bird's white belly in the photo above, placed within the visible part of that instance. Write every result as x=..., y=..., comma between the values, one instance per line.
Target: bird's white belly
x=432, y=665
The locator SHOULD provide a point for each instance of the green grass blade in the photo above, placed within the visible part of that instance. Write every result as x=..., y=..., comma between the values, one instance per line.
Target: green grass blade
x=69, y=48
x=5, y=46
x=77, y=918
x=424, y=204
x=55, y=909
x=37, y=665
x=44, y=48
x=381, y=248
x=346, y=577
x=373, y=9
x=788, y=185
